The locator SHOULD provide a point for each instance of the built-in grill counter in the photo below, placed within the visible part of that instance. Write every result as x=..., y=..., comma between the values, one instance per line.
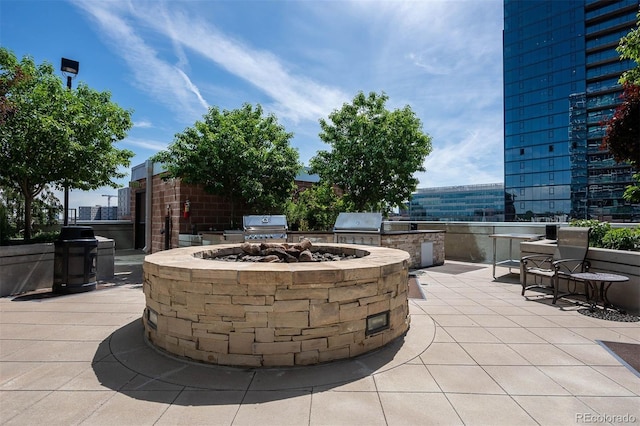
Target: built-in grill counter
x=358, y=228
x=426, y=247
x=265, y=228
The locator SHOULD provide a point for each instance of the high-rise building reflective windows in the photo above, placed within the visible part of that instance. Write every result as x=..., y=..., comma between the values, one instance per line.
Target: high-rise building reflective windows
x=467, y=203
x=561, y=75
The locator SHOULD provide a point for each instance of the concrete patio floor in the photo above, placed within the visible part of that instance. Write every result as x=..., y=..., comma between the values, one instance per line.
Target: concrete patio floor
x=477, y=353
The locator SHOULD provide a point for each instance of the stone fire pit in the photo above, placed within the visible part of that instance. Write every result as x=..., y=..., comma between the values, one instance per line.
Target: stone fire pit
x=274, y=314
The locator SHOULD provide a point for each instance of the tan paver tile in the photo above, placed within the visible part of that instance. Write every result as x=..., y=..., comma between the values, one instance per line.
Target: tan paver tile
x=40, y=375
x=584, y=381
x=446, y=353
x=456, y=320
x=591, y=354
x=493, y=354
x=8, y=347
x=553, y=410
x=15, y=402
x=622, y=376
x=558, y=335
x=203, y=407
x=514, y=335
x=492, y=320
x=544, y=354
x=464, y=378
x=334, y=408
x=620, y=411
x=478, y=310
x=441, y=336
x=489, y=410
x=406, y=378
x=101, y=376
x=606, y=334
x=575, y=320
x=274, y=407
x=62, y=408
x=404, y=409
x=532, y=320
x=52, y=351
x=471, y=335
x=365, y=384
x=508, y=311
x=441, y=310
x=132, y=408
x=524, y=380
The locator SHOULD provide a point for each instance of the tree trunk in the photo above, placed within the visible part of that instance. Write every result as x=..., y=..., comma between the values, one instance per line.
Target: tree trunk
x=28, y=200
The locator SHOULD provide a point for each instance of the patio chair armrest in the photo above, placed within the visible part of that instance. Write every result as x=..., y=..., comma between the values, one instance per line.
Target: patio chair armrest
x=582, y=263
x=536, y=260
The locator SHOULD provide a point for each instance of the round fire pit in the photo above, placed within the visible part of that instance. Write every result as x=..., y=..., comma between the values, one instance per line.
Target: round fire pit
x=274, y=314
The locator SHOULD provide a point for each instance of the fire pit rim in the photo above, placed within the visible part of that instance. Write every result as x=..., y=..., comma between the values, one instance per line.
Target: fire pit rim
x=184, y=257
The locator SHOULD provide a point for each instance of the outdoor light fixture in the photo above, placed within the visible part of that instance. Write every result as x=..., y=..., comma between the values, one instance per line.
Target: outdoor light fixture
x=70, y=66
x=69, y=69
x=152, y=318
x=377, y=322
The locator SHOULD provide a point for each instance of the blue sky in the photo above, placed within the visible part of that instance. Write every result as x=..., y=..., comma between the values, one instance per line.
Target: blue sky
x=168, y=61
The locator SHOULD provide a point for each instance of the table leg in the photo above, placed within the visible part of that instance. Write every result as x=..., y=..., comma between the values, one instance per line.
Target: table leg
x=510, y=253
x=494, y=258
x=591, y=289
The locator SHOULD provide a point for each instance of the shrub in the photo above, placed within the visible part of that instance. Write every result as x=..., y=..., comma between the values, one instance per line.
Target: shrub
x=598, y=230
x=622, y=239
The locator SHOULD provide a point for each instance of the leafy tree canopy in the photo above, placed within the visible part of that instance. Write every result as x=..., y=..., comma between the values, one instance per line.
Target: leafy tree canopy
x=52, y=135
x=241, y=155
x=622, y=133
x=315, y=208
x=622, y=136
x=374, y=152
x=629, y=48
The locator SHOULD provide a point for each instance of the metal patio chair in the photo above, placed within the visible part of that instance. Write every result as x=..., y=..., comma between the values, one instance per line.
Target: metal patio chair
x=569, y=258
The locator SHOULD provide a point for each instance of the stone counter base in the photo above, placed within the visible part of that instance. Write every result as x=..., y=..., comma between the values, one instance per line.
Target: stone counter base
x=281, y=314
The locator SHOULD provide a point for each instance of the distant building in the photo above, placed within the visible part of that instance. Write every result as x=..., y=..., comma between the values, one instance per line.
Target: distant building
x=561, y=72
x=124, y=203
x=468, y=203
x=97, y=213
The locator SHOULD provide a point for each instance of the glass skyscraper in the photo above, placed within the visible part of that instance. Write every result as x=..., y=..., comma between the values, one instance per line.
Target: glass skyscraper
x=561, y=74
x=467, y=203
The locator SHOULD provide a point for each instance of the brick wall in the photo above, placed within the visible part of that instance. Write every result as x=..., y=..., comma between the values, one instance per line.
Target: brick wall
x=207, y=212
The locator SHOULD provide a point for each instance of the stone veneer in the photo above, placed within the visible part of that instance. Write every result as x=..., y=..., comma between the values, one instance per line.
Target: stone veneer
x=273, y=314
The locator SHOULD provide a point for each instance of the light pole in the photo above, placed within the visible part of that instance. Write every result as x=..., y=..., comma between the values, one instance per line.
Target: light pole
x=69, y=69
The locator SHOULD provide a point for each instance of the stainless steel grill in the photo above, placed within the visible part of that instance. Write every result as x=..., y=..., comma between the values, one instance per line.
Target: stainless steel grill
x=358, y=228
x=265, y=228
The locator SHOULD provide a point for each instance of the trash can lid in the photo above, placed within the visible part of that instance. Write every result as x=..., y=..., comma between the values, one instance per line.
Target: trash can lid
x=76, y=233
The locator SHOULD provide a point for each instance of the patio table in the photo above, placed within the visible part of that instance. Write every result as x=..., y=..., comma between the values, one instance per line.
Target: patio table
x=510, y=262
x=591, y=279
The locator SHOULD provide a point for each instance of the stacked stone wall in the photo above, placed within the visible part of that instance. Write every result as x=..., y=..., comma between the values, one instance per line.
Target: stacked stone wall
x=253, y=315
x=411, y=242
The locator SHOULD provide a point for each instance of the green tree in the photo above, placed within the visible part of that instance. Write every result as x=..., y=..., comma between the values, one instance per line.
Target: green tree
x=240, y=155
x=375, y=152
x=622, y=133
x=629, y=48
x=315, y=208
x=54, y=136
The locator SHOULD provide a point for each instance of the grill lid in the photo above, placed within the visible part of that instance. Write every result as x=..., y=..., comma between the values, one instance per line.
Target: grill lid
x=359, y=222
x=258, y=222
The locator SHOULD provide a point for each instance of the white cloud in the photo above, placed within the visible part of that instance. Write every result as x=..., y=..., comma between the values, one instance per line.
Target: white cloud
x=145, y=144
x=443, y=58
x=143, y=124
x=165, y=82
x=295, y=97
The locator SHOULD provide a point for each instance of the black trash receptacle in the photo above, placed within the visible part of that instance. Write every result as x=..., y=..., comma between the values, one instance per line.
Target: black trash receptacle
x=551, y=232
x=75, y=260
